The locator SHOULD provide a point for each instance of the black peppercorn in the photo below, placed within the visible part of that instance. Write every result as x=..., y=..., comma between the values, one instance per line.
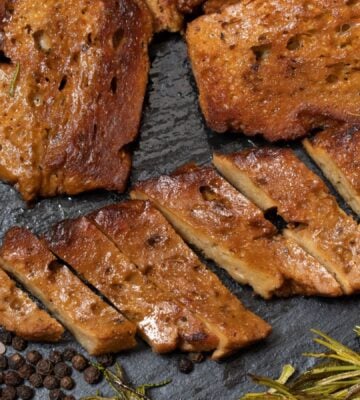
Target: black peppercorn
x=79, y=362
x=69, y=398
x=26, y=371
x=56, y=394
x=8, y=393
x=185, y=365
x=44, y=367
x=25, y=392
x=33, y=357
x=92, y=375
x=55, y=357
x=67, y=383
x=61, y=369
x=16, y=361
x=1, y=378
x=51, y=382
x=12, y=378
x=3, y=363
x=36, y=380
x=6, y=337
x=19, y=343
x=69, y=353
x=106, y=360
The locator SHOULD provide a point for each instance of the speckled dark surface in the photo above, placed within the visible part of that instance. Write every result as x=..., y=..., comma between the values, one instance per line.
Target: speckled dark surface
x=173, y=133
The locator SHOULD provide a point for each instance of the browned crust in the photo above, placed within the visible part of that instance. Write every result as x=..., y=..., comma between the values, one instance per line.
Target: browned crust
x=19, y=314
x=211, y=214
x=98, y=327
x=277, y=178
x=162, y=321
x=278, y=68
x=216, y=6
x=144, y=235
x=78, y=95
x=337, y=153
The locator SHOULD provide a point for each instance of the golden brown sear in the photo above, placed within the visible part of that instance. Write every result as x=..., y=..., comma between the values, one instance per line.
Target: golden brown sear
x=98, y=327
x=19, y=314
x=276, y=178
x=71, y=93
x=169, y=14
x=161, y=320
x=144, y=235
x=279, y=67
x=209, y=213
x=216, y=6
x=337, y=153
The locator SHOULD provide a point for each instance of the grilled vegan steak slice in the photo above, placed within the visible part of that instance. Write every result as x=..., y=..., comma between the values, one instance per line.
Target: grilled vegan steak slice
x=337, y=153
x=98, y=327
x=228, y=228
x=71, y=94
x=276, y=178
x=279, y=67
x=144, y=235
x=19, y=314
x=161, y=320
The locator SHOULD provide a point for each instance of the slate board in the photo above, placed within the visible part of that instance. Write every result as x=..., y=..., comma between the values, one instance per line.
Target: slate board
x=172, y=133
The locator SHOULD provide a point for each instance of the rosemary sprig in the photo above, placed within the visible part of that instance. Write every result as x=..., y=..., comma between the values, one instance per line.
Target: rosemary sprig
x=13, y=80
x=122, y=390
x=337, y=378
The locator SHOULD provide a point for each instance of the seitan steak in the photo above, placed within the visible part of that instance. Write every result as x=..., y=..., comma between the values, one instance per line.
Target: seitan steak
x=72, y=83
x=98, y=327
x=161, y=320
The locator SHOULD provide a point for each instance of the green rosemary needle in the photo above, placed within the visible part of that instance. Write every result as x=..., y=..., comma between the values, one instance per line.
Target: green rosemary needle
x=122, y=390
x=337, y=378
x=13, y=80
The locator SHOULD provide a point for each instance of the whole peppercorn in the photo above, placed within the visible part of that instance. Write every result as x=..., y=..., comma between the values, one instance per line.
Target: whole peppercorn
x=51, y=382
x=92, y=375
x=12, y=378
x=3, y=363
x=67, y=383
x=69, y=398
x=8, y=393
x=56, y=394
x=79, y=362
x=6, y=337
x=26, y=371
x=33, y=357
x=36, y=380
x=106, y=360
x=44, y=367
x=19, y=343
x=185, y=365
x=61, y=369
x=25, y=392
x=69, y=353
x=1, y=378
x=16, y=361
x=55, y=357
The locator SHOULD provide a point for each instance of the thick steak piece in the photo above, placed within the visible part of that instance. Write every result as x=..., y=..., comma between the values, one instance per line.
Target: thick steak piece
x=19, y=314
x=337, y=153
x=98, y=327
x=141, y=232
x=209, y=213
x=278, y=68
x=162, y=321
x=72, y=82
x=276, y=178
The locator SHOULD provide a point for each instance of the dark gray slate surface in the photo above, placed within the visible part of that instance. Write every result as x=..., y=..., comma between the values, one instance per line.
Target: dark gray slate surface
x=173, y=133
